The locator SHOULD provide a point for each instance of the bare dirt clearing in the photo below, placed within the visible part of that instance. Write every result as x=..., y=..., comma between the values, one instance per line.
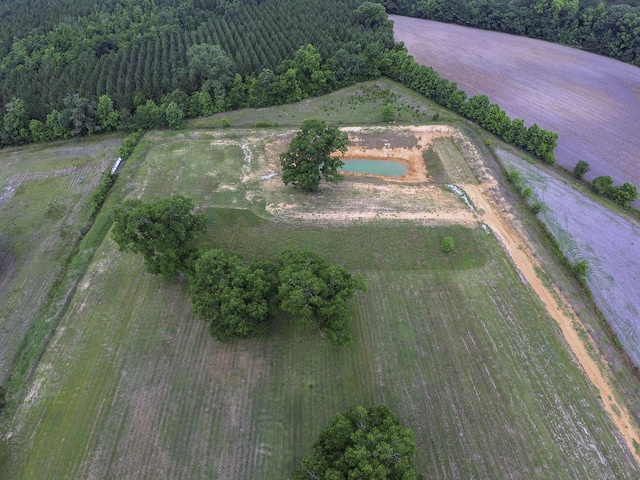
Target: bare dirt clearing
x=406, y=198
x=592, y=101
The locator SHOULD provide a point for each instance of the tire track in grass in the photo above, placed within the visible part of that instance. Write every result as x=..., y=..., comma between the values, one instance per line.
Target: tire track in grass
x=470, y=378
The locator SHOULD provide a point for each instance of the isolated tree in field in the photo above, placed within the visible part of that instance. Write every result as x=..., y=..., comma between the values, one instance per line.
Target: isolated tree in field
x=581, y=169
x=163, y=231
x=362, y=443
x=625, y=194
x=236, y=300
x=316, y=290
x=309, y=156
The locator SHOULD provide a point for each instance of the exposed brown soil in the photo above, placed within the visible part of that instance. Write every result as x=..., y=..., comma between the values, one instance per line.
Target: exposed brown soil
x=593, y=102
x=558, y=308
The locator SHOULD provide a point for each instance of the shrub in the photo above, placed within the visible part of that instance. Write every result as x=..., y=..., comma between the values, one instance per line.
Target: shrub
x=388, y=112
x=514, y=177
x=625, y=194
x=129, y=144
x=538, y=207
x=603, y=185
x=447, y=245
x=100, y=193
x=581, y=169
x=581, y=269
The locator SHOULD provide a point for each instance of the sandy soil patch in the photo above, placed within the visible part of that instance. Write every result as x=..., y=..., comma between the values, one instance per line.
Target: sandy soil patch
x=365, y=197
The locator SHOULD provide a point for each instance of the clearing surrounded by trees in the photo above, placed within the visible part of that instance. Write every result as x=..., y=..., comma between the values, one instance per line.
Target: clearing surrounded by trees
x=459, y=344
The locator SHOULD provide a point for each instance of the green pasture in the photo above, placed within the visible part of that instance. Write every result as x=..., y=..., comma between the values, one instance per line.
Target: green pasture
x=360, y=104
x=132, y=385
x=44, y=210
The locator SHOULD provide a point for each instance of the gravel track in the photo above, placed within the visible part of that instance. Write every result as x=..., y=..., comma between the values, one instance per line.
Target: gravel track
x=593, y=102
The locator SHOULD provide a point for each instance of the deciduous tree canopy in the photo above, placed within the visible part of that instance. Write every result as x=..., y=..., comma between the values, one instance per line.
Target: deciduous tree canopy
x=362, y=443
x=236, y=300
x=163, y=231
x=318, y=291
x=309, y=155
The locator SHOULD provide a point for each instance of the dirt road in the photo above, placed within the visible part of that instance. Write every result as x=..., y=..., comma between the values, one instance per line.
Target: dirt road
x=557, y=307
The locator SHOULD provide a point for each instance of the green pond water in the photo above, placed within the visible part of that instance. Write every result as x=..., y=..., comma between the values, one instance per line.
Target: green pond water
x=388, y=168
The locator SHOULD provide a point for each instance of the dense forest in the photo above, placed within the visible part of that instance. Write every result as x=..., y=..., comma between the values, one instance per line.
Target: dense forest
x=71, y=68
x=606, y=28
x=210, y=56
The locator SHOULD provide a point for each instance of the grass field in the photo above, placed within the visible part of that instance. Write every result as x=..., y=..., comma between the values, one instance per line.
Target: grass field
x=44, y=192
x=132, y=386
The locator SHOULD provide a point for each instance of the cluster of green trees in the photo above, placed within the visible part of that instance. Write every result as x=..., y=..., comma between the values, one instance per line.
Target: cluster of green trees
x=236, y=299
x=400, y=66
x=210, y=80
x=623, y=194
x=139, y=50
x=603, y=27
x=362, y=443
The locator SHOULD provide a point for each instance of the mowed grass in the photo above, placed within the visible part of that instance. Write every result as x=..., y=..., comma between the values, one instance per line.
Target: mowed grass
x=44, y=207
x=132, y=385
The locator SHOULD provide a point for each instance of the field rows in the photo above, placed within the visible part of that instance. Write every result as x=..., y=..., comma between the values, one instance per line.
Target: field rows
x=480, y=376
x=43, y=203
x=590, y=100
x=613, y=253
x=132, y=385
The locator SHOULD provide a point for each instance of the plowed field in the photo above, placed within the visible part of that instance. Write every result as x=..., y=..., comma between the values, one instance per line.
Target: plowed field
x=593, y=102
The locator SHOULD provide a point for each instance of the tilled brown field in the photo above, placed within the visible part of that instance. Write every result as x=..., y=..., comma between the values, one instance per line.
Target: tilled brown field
x=593, y=102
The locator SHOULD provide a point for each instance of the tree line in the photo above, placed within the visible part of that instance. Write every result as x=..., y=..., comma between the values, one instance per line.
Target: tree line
x=306, y=74
x=611, y=29
x=400, y=66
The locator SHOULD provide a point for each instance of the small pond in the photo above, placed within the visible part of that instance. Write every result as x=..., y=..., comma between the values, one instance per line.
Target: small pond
x=387, y=168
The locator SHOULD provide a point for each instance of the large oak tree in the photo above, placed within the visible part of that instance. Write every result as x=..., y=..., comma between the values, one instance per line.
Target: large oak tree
x=234, y=299
x=309, y=156
x=162, y=230
x=362, y=443
x=318, y=291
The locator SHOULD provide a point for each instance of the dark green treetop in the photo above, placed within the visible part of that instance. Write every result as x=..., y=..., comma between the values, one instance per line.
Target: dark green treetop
x=236, y=300
x=318, y=291
x=362, y=443
x=162, y=230
x=309, y=155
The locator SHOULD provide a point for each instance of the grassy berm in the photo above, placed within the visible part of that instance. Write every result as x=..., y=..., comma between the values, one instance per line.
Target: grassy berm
x=132, y=385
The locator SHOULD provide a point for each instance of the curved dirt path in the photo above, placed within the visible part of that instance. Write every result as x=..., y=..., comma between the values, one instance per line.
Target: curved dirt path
x=558, y=308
